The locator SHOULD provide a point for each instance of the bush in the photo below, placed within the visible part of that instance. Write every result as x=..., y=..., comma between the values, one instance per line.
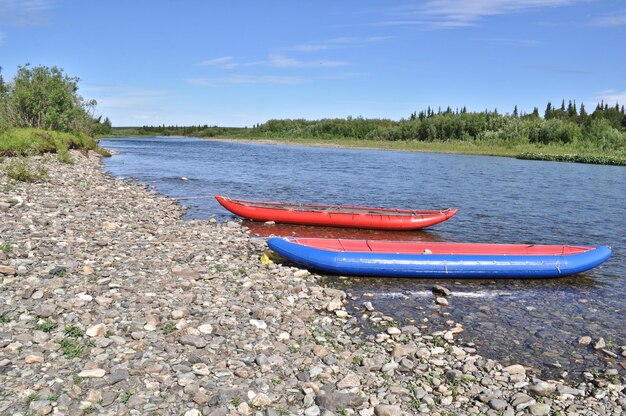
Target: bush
x=20, y=169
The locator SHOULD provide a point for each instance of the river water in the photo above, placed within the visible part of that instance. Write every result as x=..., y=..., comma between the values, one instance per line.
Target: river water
x=501, y=200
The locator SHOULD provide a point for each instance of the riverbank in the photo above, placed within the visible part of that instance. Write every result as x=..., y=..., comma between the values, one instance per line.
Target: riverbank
x=550, y=153
x=112, y=304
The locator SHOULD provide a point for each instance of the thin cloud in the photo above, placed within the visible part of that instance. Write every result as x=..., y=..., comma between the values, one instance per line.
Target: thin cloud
x=226, y=61
x=342, y=42
x=612, y=96
x=514, y=42
x=246, y=79
x=461, y=13
x=280, y=61
x=559, y=69
x=273, y=61
x=611, y=21
x=25, y=12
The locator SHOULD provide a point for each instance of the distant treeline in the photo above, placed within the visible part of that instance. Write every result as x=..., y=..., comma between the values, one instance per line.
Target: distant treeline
x=603, y=130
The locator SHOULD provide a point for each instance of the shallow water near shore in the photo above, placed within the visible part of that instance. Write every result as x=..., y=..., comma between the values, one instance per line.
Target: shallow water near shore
x=502, y=200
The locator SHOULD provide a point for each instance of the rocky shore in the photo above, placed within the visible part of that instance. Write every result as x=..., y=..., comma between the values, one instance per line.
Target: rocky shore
x=111, y=304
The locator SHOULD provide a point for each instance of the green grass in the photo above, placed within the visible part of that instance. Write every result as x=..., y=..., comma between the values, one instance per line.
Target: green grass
x=73, y=331
x=168, y=328
x=33, y=397
x=28, y=142
x=71, y=348
x=22, y=170
x=45, y=326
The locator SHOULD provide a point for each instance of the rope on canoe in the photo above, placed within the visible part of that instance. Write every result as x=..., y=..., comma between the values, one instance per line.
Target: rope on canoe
x=192, y=197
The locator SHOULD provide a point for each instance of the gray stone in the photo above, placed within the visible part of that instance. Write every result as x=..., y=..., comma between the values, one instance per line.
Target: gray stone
x=193, y=340
x=336, y=400
x=539, y=409
x=498, y=404
x=387, y=410
x=542, y=388
x=441, y=290
x=118, y=375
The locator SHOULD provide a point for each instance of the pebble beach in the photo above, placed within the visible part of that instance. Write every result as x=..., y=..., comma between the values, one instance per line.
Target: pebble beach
x=112, y=304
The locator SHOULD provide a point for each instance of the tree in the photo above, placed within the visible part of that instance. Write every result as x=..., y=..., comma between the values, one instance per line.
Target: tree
x=515, y=113
x=583, y=114
x=46, y=98
x=549, y=113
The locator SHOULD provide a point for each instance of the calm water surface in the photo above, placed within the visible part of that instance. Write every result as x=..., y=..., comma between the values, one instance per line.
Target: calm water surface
x=501, y=200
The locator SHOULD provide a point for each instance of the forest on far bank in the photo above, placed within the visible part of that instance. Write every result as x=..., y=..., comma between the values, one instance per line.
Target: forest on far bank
x=601, y=131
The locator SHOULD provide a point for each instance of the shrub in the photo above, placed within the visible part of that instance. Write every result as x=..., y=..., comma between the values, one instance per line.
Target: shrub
x=19, y=169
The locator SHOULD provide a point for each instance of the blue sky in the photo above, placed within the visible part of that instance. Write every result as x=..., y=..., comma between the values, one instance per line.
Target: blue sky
x=237, y=63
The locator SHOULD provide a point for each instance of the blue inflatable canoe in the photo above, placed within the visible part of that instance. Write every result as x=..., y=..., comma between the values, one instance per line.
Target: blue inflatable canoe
x=438, y=260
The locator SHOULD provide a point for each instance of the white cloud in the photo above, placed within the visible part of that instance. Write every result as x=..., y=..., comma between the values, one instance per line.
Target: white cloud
x=280, y=61
x=339, y=43
x=25, y=12
x=459, y=13
x=226, y=61
x=246, y=79
x=612, y=96
x=611, y=21
x=558, y=69
x=514, y=42
x=273, y=61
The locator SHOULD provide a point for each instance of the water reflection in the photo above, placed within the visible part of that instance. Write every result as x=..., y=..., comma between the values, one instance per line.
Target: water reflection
x=262, y=229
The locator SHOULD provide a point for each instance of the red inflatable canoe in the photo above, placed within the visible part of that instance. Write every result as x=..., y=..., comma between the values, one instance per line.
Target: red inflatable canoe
x=336, y=216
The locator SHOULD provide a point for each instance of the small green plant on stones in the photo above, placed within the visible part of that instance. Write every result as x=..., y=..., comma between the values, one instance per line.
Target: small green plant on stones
x=63, y=153
x=439, y=342
x=33, y=397
x=168, y=328
x=71, y=348
x=6, y=248
x=19, y=169
x=4, y=319
x=73, y=331
x=126, y=397
x=45, y=326
x=8, y=187
x=88, y=410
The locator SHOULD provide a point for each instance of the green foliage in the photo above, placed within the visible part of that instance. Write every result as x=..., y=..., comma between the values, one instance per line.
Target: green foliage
x=33, y=397
x=73, y=331
x=168, y=328
x=20, y=169
x=126, y=397
x=72, y=348
x=46, y=98
x=596, y=160
x=45, y=326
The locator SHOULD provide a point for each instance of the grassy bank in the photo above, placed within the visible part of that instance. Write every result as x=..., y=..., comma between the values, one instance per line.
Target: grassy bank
x=29, y=141
x=19, y=143
x=557, y=153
